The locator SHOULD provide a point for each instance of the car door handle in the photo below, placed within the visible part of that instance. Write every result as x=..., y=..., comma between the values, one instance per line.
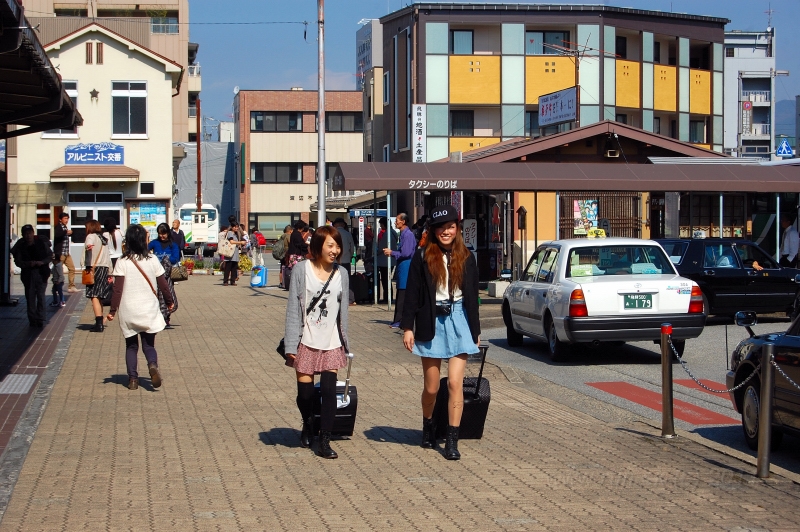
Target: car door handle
x=709, y=272
x=544, y=294
x=527, y=292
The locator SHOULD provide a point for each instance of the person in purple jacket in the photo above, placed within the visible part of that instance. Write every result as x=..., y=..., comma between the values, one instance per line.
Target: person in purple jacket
x=407, y=245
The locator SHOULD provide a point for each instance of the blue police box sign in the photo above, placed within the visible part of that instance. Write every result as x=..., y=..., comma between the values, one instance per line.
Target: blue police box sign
x=99, y=153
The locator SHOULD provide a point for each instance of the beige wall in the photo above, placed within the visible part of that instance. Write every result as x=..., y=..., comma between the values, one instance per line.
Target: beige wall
x=276, y=197
x=152, y=157
x=302, y=147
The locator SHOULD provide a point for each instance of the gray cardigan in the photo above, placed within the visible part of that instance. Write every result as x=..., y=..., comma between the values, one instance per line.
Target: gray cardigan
x=296, y=307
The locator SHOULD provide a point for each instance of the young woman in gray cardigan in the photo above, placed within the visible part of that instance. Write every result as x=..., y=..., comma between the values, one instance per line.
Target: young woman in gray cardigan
x=316, y=331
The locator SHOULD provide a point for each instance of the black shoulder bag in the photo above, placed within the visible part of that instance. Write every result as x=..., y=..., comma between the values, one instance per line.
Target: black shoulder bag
x=281, y=349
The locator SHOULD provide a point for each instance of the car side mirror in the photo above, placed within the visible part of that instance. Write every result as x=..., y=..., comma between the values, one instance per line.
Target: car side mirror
x=746, y=319
x=797, y=279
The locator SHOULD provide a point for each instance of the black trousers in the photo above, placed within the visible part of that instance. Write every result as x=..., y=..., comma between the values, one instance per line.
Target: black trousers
x=383, y=276
x=231, y=269
x=786, y=263
x=398, y=306
x=35, y=289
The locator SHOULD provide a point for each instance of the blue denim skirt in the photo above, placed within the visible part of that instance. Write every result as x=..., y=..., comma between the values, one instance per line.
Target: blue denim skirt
x=452, y=336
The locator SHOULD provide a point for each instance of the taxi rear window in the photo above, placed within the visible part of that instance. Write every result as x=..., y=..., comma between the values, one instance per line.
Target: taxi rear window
x=617, y=260
x=675, y=250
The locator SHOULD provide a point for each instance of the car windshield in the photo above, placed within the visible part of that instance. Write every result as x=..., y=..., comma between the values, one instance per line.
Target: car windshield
x=186, y=214
x=617, y=260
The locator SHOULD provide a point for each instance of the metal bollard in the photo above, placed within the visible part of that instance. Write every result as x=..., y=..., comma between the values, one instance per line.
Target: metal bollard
x=765, y=411
x=667, y=422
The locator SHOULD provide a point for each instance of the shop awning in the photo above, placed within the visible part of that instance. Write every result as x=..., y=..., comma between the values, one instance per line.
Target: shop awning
x=35, y=193
x=519, y=176
x=83, y=172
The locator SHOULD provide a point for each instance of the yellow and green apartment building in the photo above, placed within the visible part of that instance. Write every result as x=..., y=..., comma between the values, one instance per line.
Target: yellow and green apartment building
x=480, y=70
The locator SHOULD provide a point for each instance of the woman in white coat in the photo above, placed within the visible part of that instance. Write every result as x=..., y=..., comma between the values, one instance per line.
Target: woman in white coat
x=135, y=299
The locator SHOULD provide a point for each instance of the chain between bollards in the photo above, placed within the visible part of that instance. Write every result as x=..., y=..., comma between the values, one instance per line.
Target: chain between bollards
x=667, y=421
x=765, y=411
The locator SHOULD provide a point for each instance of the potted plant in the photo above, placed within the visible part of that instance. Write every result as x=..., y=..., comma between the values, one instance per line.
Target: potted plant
x=189, y=264
x=245, y=264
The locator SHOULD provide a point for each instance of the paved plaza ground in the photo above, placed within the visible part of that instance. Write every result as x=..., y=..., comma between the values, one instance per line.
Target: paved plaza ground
x=217, y=447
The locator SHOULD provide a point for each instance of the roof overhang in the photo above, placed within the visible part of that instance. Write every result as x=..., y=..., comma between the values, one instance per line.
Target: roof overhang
x=80, y=173
x=31, y=94
x=566, y=176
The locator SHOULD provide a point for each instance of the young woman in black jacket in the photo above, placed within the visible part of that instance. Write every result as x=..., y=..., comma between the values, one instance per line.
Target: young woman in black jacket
x=440, y=319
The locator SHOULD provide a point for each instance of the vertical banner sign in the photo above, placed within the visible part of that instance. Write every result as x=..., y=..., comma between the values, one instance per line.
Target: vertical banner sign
x=584, y=212
x=470, y=228
x=420, y=133
x=361, y=231
x=455, y=201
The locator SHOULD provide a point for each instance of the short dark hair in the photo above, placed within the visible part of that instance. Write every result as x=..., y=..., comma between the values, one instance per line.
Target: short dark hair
x=319, y=238
x=27, y=227
x=300, y=225
x=136, y=242
x=63, y=215
x=162, y=228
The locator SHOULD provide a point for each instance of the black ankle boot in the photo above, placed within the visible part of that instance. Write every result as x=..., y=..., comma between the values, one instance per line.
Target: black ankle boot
x=451, y=444
x=305, y=434
x=325, y=450
x=428, y=434
x=98, y=325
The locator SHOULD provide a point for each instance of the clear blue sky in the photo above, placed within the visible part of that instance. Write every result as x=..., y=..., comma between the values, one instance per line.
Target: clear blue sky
x=275, y=56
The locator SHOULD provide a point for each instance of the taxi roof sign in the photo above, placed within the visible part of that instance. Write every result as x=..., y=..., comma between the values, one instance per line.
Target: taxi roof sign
x=595, y=233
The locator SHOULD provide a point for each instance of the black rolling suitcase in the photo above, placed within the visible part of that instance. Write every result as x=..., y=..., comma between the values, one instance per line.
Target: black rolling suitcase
x=360, y=287
x=477, y=395
x=346, y=405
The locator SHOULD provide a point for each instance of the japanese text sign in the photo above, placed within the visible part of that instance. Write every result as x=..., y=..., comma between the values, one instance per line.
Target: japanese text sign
x=100, y=153
x=557, y=107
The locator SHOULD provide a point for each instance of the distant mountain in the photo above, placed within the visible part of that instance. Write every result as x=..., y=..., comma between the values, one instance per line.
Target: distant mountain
x=785, y=116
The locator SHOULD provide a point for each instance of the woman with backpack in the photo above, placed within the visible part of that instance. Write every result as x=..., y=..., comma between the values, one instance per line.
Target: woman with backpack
x=279, y=253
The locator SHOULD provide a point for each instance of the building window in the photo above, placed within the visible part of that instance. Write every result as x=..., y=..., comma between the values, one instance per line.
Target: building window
x=546, y=42
x=344, y=122
x=270, y=121
x=697, y=132
x=99, y=53
x=129, y=109
x=461, y=42
x=622, y=119
x=656, y=52
x=147, y=189
x=164, y=25
x=385, y=88
x=532, y=124
x=729, y=51
x=89, y=47
x=462, y=124
x=657, y=125
x=71, y=12
x=71, y=88
x=621, y=47
x=276, y=173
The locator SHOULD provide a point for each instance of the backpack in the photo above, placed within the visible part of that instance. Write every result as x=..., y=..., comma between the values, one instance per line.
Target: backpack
x=261, y=240
x=279, y=249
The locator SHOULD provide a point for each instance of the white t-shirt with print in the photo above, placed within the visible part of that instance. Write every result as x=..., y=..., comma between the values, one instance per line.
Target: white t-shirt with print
x=321, y=331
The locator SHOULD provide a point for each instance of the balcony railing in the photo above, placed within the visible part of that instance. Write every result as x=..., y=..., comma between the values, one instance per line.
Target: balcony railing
x=756, y=96
x=192, y=111
x=758, y=129
x=193, y=70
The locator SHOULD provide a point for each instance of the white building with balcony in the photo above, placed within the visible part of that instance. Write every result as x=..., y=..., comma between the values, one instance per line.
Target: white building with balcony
x=750, y=72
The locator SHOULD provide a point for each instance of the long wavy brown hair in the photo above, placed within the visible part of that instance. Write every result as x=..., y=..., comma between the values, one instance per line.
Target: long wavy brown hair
x=458, y=259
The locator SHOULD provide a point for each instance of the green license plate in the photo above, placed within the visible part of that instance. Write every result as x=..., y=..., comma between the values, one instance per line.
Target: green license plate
x=638, y=301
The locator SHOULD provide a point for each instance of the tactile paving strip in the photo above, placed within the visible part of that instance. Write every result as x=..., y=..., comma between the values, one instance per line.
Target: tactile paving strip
x=17, y=383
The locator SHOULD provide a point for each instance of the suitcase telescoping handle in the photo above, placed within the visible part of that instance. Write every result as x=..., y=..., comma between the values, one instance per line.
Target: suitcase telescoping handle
x=346, y=398
x=484, y=347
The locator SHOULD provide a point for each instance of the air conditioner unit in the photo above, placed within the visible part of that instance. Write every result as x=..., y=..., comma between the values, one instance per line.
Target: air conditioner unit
x=612, y=153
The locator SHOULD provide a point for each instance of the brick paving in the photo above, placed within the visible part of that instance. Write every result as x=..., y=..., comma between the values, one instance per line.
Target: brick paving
x=217, y=447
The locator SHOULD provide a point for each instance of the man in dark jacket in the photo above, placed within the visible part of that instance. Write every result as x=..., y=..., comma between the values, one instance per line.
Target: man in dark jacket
x=61, y=236
x=31, y=255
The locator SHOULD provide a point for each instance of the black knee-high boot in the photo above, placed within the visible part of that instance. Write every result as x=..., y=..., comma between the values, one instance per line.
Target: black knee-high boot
x=327, y=385
x=305, y=403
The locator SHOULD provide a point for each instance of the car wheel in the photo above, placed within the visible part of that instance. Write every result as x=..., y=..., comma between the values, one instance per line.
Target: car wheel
x=558, y=349
x=750, y=408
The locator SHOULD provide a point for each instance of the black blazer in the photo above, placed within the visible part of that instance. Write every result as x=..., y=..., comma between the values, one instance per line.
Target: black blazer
x=419, y=307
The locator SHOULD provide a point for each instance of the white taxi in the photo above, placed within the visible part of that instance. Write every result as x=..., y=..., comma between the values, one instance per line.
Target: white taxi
x=597, y=290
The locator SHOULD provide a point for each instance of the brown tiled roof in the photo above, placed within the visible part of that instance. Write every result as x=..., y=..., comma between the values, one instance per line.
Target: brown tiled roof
x=86, y=172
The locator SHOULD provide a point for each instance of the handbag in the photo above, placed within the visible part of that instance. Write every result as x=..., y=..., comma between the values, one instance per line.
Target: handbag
x=179, y=273
x=87, y=277
x=281, y=349
x=226, y=248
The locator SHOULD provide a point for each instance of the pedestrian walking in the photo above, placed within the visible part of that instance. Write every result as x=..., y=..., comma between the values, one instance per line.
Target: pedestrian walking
x=298, y=249
x=407, y=247
x=177, y=235
x=348, y=245
x=316, y=331
x=169, y=255
x=61, y=236
x=114, y=237
x=231, y=264
x=441, y=321
x=135, y=277
x=385, y=240
x=57, y=271
x=98, y=261
x=280, y=252
x=32, y=257
x=789, y=243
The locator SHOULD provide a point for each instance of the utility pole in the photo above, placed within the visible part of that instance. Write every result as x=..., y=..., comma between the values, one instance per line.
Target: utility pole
x=199, y=167
x=321, y=217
